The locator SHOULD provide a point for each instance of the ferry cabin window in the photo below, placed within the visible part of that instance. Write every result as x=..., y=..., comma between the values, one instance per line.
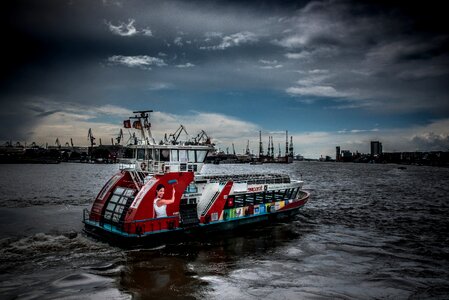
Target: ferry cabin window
x=279, y=195
x=258, y=198
x=239, y=200
x=268, y=196
x=174, y=155
x=249, y=199
x=183, y=156
x=165, y=155
x=140, y=153
x=288, y=194
x=201, y=155
x=129, y=153
x=156, y=154
x=191, y=156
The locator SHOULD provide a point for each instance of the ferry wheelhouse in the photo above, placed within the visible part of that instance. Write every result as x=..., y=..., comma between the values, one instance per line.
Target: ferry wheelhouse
x=160, y=194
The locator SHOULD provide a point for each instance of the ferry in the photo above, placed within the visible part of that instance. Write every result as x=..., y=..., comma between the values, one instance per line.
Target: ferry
x=160, y=195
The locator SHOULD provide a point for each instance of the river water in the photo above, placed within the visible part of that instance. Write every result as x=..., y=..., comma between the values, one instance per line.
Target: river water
x=368, y=232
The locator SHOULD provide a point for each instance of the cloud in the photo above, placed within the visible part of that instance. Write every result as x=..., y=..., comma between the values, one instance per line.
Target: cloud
x=228, y=41
x=128, y=29
x=178, y=41
x=187, y=65
x=269, y=64
x=147, y=32
x=317, y=91
x=123, y=29
x=141, y=61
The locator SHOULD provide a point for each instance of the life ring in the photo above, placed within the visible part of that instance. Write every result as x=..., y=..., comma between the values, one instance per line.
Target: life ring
x=143, y=166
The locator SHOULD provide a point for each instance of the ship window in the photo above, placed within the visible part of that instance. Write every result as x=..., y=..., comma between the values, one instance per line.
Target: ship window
x=249, y=200
x=165, y=155
x=295, y=193
x=149, y=154
x=174, y=155
x=259, y=198
x=288, y=194
x=183, y=156
x=201, y=155
x=279, y=195
x=156, y=154
x=121, y=198
x=191, y=155
x=239, y=200
x=191, y=188
x=140, y=153
x=268, y=196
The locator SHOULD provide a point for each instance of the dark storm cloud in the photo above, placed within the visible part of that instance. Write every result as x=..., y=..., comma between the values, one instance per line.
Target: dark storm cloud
x=369, y=55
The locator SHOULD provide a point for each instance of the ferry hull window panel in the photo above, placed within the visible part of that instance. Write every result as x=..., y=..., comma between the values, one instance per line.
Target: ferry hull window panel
x=289, y=194
x=249, y=199
x=279, y=195
x=120, y=199
x=259, y=198
x=268, y=197
x=239, y=200
x=295, y=193
x=157, y=155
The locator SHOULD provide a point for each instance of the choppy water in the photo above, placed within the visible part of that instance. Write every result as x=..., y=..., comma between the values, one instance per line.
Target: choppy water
x=369, y=231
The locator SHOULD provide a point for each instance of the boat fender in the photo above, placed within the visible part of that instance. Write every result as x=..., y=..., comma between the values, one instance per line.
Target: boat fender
x=143, y=166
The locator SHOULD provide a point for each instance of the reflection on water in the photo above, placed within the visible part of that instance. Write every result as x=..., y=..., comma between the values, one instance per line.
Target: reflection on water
x=369, y=231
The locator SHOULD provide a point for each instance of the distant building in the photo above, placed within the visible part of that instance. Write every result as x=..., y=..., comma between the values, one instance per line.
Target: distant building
x=376, y=148
x=338, y=154
x=346, y=155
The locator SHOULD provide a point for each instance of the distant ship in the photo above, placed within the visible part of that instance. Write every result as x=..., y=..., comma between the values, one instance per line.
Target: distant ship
x=160, y=195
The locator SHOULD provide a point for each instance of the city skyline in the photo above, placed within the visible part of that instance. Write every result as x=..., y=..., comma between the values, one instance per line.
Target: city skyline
x=330, y=72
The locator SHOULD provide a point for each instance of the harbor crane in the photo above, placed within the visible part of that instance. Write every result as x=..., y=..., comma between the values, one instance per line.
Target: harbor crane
x=202, y=137
x=57, y=143
x=120, y=137
x=91, y=137
x=173, y=137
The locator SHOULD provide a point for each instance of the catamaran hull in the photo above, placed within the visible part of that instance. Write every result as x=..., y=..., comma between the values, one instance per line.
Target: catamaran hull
x=195, y=233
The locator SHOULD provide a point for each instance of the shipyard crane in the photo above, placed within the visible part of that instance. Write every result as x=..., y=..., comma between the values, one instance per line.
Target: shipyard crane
x=233, y=149
x=202, y=136
x=91, y=137
x=247, y=152
x=173, y=137
x=71, y=142
x=57, y=143
x=120, y=137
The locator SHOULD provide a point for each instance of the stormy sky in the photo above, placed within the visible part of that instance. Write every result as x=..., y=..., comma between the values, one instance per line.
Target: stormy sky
x=330, y=72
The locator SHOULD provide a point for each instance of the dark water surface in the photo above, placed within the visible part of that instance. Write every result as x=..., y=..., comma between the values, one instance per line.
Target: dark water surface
x=368, y=232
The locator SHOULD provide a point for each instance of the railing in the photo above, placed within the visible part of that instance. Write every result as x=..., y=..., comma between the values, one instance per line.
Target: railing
x=159, y=167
